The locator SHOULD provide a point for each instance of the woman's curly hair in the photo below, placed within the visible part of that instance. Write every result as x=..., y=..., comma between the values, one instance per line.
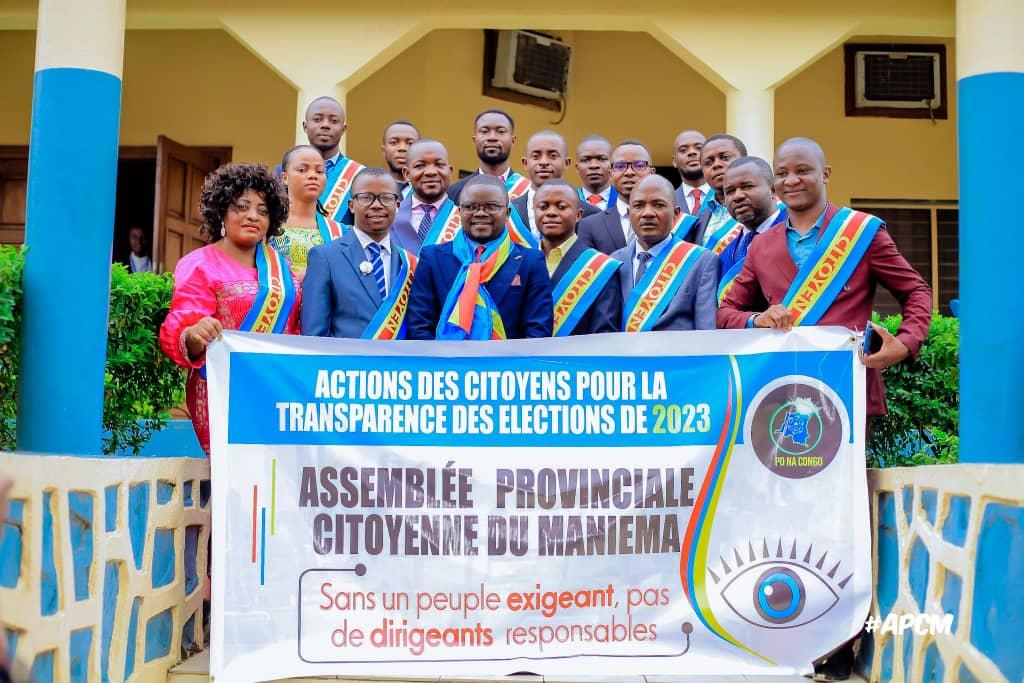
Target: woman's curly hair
x=224, y=186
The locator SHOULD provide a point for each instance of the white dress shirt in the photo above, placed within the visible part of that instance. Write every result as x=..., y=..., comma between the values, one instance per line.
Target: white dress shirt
x=385, y=254
x=530, y=220
x=688, y=194
x=604, y=194
x=627, y=227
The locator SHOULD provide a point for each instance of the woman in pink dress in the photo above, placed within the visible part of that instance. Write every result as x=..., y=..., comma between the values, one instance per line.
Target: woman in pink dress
x=216, y=286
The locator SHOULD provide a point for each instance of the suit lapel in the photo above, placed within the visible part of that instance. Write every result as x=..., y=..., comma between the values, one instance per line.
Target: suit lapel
x=614, y=226
x=500, y=284
x=354, y=253
x=626, y=277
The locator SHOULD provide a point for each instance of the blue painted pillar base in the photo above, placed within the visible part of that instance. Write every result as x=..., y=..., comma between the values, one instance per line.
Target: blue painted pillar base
x=991, y=112
x=72, y=175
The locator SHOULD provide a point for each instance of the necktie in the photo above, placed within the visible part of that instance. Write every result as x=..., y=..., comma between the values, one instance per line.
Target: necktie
x=644, y=258
x=373, y=250
x=595, y=199
x=329, y=166
x=479, y=253
x=428, y=221
x=697, y=196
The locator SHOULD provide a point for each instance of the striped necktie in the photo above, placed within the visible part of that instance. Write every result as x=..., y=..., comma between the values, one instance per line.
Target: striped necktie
x=644, y=258
x=426, y=223
x=373, y=250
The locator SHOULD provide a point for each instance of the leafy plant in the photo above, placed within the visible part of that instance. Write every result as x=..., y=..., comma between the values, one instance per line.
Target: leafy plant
x=11, y=264
x=924, y=402
x=141, y=383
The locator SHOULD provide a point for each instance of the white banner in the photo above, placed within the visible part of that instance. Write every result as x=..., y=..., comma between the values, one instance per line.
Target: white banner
x=660, y=503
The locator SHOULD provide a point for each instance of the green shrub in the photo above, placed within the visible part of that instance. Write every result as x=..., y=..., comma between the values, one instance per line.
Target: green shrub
x=11, y=263
x=924, y=402
x=141, y=383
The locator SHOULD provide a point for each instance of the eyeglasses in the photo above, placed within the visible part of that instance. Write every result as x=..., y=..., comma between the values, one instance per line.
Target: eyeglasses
x=386, y=199
x=638, y=165
x=489, y=207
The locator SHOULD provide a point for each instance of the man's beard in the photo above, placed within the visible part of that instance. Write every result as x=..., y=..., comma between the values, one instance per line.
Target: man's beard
x=493, y=159
x=396, y=170
x=692, y=176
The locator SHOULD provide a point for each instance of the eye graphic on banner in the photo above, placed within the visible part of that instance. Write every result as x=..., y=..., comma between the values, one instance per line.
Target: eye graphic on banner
x=780, y=591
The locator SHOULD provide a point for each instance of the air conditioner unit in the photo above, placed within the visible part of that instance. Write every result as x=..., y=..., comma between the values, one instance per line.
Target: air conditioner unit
x=898, y=80
x=532, y=64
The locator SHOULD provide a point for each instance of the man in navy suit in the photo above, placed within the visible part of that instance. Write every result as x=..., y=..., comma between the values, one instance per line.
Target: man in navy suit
x=596, y=310
x=751, y=201
x=547, y=156
x=348, y=280
x=428, y=171
x=519, y=291
x=715, y=156
x=693, y=302
x=610, y=230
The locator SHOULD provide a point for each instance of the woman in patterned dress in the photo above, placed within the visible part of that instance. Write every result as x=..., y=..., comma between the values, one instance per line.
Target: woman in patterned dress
x=216, y=286
x=303, y=174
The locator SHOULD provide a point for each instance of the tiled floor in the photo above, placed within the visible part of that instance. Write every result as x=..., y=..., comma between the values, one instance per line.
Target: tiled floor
x=196, y=670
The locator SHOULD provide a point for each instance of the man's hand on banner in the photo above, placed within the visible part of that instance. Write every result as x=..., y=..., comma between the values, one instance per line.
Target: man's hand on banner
x=199, y=336
x=893, y=350
x=777, y=317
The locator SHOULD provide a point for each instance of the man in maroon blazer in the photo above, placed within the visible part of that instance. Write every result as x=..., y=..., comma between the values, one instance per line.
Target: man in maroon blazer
x=772, y=263
x=755, y=299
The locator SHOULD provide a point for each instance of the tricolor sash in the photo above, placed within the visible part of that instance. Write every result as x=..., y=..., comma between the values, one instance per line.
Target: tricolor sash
x=389, y=321
x=665, y=274
x=827, y=270
x=729, y=277
x=275, y=297
x=519, y=230
x=406, y=191
x=578, y=289
x=446, y=225
x=516, y=185
x=330, y=230
x=724, y=236
x=339, y=183
x=469, y=312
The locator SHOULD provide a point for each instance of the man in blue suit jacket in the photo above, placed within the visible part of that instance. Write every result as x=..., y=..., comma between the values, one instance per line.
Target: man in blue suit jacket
x=347, y=280
x=520, y=289
x=652, y=210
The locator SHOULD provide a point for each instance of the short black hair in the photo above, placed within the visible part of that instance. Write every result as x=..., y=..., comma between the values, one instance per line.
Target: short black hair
x=229, y=182
x=632, y=142
x=290, y=153
x=762, y=166
x=400, y=122
x=322, y=98
x=485, y=179
x=555, y=182
x=550, y=133
x=501, y=112
x=372, y=171
x=736, y=142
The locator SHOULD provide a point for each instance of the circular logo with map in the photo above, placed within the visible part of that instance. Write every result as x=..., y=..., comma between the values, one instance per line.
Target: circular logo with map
x=796, y=428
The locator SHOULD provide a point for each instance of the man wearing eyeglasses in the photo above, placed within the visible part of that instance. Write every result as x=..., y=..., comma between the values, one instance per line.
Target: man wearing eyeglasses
x=357, y=286
x=610, y=230
x=547, y=156
x=481, y=285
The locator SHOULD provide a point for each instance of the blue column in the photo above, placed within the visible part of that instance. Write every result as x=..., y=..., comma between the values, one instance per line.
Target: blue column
x=72, y=173
x=990, y=65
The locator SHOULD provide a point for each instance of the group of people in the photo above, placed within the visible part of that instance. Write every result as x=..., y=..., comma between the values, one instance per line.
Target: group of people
x=326, y=246
x=405, y=252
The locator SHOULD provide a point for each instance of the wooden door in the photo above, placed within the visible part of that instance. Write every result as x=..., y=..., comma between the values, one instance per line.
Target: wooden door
x=180, y=171
x=13, y=186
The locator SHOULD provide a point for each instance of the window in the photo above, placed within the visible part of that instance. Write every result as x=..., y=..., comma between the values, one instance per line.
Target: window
x=927, y=236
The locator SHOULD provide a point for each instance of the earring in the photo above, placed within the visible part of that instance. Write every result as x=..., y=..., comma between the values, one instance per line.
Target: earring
x=222, y=231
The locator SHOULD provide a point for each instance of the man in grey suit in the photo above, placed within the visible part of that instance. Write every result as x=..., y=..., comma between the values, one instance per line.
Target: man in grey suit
x=693, y=301
x=547, y=157
x=347, y=280
x=429, y=173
